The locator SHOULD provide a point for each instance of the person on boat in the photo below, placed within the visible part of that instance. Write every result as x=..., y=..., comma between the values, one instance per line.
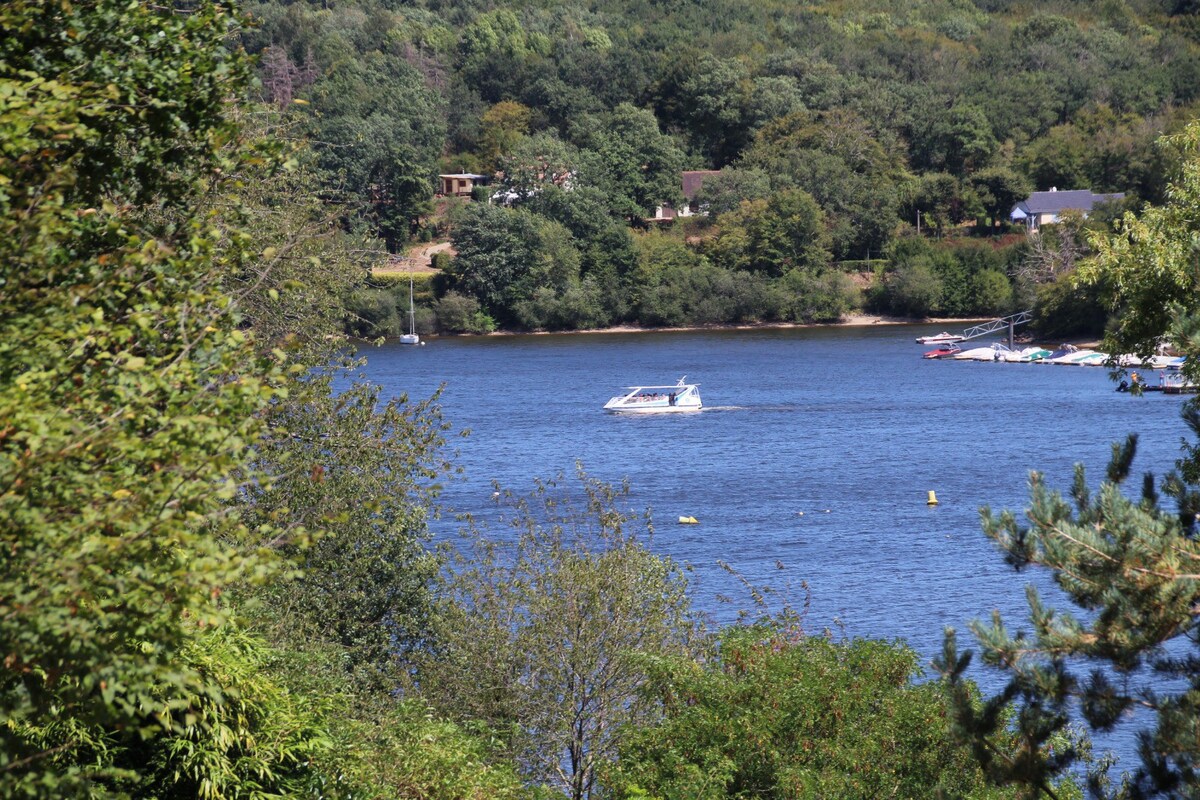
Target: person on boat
x=671, y=399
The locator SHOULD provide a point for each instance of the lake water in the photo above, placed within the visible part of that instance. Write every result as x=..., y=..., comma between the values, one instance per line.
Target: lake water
x=816, y=449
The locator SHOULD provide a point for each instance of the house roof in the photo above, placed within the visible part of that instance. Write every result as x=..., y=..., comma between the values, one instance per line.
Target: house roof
x=1054, y=201
x=469, y=175
x=694, y=179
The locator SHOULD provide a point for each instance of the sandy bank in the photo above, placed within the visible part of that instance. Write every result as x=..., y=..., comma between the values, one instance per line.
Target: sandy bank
x=846, y=321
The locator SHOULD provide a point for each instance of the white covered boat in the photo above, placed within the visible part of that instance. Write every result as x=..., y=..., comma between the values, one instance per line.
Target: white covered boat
x=657, y=399
x=991, y=352
x=1093, y=360
x=1026, y=355
x=1078, y=357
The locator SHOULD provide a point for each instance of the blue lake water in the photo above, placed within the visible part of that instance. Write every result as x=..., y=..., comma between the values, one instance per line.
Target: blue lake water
x=816, y=449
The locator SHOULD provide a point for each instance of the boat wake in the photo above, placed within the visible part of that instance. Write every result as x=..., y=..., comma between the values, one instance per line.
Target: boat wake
x=782, y=407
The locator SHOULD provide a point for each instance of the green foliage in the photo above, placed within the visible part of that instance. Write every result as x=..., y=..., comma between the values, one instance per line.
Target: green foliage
x=1064, y=310
x=775, y=714
x=938, y=198
x=997, y=190
x=1102, y=150
x=708, y=101
x=539, y=637
x=408, y=752
x=378, y=137
x=991, y=292
x=1149, y=265
x=555, y=294
x=630, y=160
x=459, y=314
x=502, y=129
x=536, y=164
x=773, y=236
x=958, y=278
x=959, y=140
x=672, y=286
x=497, y=248
x=372, y=313
x=726, y=190
x=822, y=296
x=525, y=270
x=287, y=262
x=250, y=738
x=363, y=473
x=911, y=286
x=1121, y=561
x=376, y=747
x=129, y=393
x=840, y=161
x=956, y=112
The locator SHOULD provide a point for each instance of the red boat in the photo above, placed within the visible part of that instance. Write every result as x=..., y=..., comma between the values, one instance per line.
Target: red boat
x=943, y=351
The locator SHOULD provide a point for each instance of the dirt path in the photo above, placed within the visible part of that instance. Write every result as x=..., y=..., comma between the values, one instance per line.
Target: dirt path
x=419, y=260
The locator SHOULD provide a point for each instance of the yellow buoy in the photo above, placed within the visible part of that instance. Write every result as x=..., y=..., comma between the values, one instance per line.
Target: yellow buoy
x=932, y=501
x=688, y=521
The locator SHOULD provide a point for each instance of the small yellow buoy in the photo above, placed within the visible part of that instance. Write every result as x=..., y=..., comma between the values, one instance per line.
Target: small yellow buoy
x=932, y=501
x=688, y=521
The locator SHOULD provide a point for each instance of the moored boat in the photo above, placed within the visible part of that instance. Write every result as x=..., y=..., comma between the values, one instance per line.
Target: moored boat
x=657, y=399
x=940, y=338
x=943, y=351
x=991, y=352
x=411, y=337
x=1026, y=355
x=1077, y=357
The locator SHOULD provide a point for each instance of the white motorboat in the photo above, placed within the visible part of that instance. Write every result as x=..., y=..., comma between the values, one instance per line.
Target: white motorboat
x=1166, y=362
x=941, y=338
x=657, y=399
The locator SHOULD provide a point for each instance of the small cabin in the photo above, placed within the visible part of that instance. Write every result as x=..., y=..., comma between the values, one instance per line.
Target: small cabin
x=461, y=184
x=1045, y=208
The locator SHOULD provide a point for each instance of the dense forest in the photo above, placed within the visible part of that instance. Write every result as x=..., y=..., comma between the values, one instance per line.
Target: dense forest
x=217, y=578
x=840, y=130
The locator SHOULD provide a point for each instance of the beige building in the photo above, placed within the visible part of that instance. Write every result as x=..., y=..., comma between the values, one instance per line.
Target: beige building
x=461, y=184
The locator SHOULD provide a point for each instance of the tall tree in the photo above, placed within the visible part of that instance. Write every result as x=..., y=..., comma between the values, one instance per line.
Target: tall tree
x=631, y=160
x=496, y=249
x=129, y=393
x=1127, y=562
x=543, y=642
x=1149, y=266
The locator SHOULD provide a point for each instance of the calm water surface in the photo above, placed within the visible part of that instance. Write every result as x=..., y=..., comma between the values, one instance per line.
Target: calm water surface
x=816, y=449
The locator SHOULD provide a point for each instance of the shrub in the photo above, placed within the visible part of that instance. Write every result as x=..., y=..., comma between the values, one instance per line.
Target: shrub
x=457, y=313
x=819, y=297
x=371, y=313
x=773, y=715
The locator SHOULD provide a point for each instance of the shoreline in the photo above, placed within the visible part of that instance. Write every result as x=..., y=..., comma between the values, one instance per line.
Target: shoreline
x=851, y=320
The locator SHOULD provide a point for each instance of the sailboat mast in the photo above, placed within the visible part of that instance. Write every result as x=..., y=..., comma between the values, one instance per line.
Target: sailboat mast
x=412, y=310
